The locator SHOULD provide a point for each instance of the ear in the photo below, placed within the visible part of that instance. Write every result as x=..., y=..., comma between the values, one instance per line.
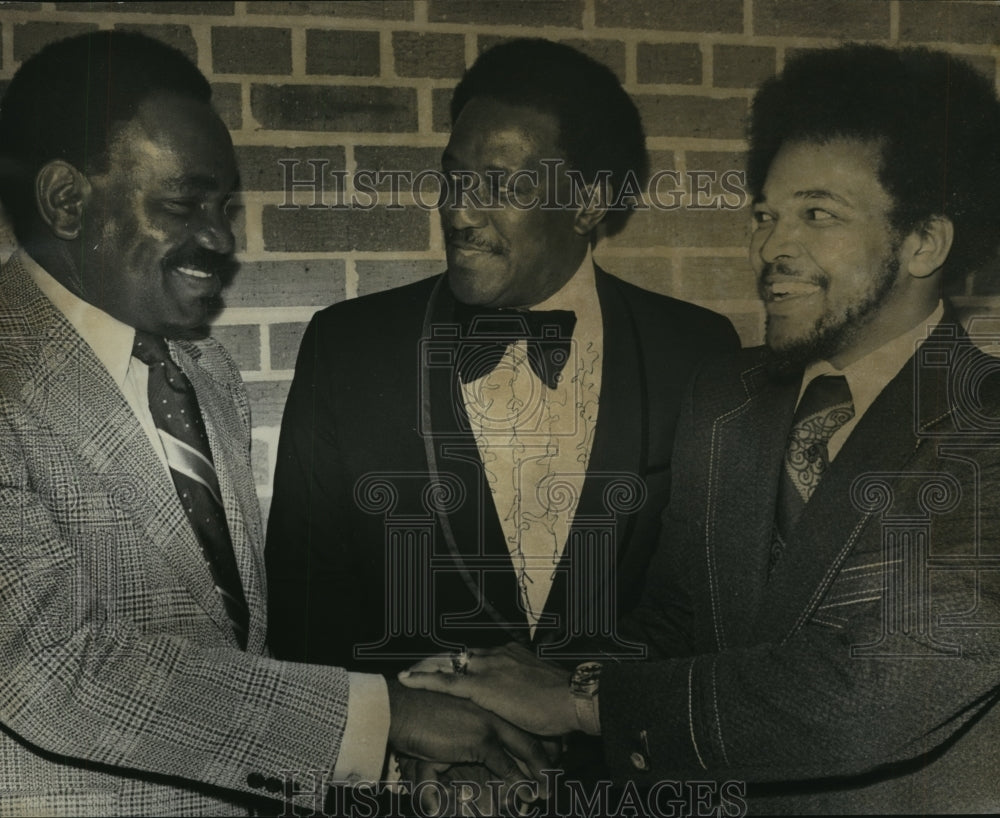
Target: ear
x=927, y=247
x=60, y=193
x=592, y=208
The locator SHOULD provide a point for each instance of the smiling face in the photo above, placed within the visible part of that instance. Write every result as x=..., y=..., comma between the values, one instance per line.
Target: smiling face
x=824, y=251
x=157, y=245
x=510, y=255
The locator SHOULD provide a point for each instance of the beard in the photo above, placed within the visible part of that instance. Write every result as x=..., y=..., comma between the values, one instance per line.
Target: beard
x=832, y=332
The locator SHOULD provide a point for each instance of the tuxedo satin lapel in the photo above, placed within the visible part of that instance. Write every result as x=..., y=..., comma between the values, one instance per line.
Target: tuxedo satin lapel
x=226, y=441
x=613, y=483
x=831, y=523
x=743, y=484
x=67, y=385
x=451, y=449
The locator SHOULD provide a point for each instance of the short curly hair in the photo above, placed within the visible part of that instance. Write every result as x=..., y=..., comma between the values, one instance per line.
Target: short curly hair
x=68, y=101
x=934, y=117
x=599, y=125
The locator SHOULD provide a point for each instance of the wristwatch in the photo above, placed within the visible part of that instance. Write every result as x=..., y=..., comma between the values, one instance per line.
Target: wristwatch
x=583, y=685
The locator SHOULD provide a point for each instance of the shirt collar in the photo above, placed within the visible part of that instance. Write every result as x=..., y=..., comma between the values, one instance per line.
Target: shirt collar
x=109, y=338
x=869, y=375
x=579, y=294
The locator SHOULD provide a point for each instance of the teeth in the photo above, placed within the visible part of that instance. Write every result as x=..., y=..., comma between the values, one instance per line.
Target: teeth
x=786, y=288
x=191, y=271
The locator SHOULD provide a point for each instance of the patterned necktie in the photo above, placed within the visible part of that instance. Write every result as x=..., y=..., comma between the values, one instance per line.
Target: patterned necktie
x=826, y=405
x=488, y=332
x=178, y=420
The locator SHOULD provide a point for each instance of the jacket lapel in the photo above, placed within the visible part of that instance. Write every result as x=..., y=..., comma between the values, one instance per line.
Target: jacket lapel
x=885, y=441
x=741, y=499
x=612, y=484
x=67, y=386
x=471, y=529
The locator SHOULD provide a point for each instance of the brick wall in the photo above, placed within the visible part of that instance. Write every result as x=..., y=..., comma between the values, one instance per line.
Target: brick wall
x=343, y=86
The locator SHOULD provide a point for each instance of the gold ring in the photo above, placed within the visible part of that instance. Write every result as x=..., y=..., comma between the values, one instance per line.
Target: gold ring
x=460, y=662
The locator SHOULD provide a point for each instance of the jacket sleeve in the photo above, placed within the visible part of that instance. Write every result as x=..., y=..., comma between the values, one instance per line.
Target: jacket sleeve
x=813, y=703
x=83, y=683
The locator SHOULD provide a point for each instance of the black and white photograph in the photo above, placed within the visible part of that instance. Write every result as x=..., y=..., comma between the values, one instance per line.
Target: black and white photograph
x=500, y=408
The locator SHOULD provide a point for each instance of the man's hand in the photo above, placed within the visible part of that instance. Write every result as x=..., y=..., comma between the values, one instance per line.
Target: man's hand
x=509, y=681
x=439, y=728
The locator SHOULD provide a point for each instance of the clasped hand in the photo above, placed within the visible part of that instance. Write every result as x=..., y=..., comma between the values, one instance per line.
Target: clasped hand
x=440, y=731
x=509, y=681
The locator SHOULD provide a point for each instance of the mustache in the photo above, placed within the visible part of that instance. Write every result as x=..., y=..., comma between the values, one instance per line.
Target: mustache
x=221, y=265
x=466, y=236
x=780, y=268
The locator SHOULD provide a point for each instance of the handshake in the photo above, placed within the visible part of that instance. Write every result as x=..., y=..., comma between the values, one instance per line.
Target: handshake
x=495, y=715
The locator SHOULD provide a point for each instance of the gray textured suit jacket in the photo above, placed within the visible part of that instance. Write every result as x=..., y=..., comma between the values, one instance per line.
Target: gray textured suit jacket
x=122, y=689
x=863, y=675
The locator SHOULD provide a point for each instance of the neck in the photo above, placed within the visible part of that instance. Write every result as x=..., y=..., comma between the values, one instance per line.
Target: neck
x=56, y=258
x=892, y=320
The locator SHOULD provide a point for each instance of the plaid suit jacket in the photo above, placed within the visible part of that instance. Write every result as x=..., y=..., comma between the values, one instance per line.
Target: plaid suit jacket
x=122, y=688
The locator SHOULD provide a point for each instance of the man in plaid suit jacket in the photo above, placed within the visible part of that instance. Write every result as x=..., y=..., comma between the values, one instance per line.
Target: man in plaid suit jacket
x=125, y=686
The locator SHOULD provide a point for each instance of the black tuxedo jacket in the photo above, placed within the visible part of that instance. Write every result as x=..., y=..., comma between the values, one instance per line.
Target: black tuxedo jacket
x=383, y=540
x=863, y=675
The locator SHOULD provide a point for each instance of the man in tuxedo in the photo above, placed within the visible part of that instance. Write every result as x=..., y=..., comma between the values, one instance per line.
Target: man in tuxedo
x=823, y=609
x=483, y=455
x=132, y=649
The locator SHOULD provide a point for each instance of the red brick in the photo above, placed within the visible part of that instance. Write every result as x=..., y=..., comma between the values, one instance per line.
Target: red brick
x=742, y=66
x=669, y=63
x=335, y=230
x=677, y=15
x=666, y=115
x=334, y=108
x=285, y=340
x=531, y=13
x=936, y=21
x=386, y=158
x=418, y=54
x=375, y=9
x=661, y=160
x=267, y=401
x=684, y=228
x=376, y=276
x=175, y=34
x=211, y=7
x=843, y=19
x=440, y=115
x=350, y=53
x=246, y=50
x=308, y=283
x=260, y=169
x=242, y=342
x=30, y=38
x=228, y=101
x=608, y=52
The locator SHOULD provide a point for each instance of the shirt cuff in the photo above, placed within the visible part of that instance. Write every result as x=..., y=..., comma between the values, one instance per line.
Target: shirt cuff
x=366, y=734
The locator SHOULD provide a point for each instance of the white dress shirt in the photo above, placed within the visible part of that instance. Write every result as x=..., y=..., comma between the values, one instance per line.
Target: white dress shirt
x=535, y=442
x=868, y=376
x=362, y=752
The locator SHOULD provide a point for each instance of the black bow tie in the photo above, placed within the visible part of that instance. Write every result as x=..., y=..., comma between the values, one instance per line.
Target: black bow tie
x=487, y=332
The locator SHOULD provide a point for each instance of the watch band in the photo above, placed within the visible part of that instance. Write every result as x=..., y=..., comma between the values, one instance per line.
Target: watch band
x=588, y=714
